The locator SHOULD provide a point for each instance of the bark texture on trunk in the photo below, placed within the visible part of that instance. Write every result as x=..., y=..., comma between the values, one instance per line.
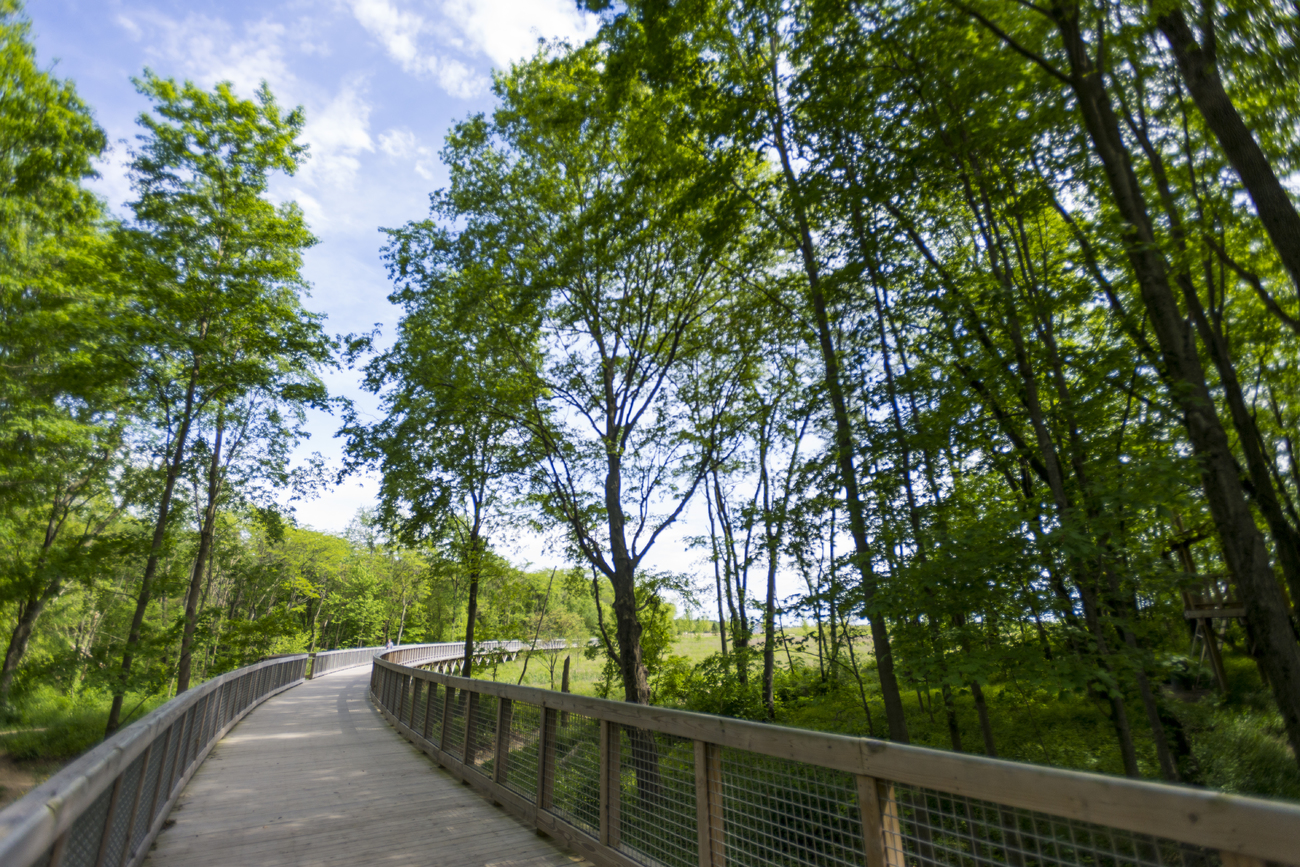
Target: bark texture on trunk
x=155, y=552
x=1244, y=550
x=205, y=550
x=1199, y=70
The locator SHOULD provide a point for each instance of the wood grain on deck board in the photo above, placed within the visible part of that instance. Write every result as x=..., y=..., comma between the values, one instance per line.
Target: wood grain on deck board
x=316, y=777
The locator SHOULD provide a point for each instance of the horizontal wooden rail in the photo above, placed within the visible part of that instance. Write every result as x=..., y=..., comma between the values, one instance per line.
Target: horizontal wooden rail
x=330, y=661
x=105, y=808
x=629, y=784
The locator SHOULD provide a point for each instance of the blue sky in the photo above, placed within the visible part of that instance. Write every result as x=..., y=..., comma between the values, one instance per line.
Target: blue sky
x=381, y=82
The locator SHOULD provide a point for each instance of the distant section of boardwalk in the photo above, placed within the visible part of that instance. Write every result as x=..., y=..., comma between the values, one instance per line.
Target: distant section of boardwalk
x=316, y=777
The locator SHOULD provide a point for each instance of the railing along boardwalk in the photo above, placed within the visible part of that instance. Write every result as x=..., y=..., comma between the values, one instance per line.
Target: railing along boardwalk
x=107, y=807
x=316, y=777
x=638, y=786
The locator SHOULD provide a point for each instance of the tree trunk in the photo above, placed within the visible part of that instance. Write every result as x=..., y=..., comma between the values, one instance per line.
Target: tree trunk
x=1197, y=65
x=201, y=558
x=844, y=451
x=30, y=610
x=1244, y=550
x=986, y=728
x=476, y=547
x=155, y=552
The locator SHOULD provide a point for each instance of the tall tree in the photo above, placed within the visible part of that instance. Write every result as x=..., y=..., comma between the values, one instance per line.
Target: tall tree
x=217, y=314
x=61, y=404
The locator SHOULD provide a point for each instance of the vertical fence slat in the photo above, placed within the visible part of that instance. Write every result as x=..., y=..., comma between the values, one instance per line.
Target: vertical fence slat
x=471, y=708
x=428, y=709
x=135, y=800
x=708, y=804
x=448, y=698
x=546, y=759
x=610, y=783
x=873, y=834
x=107, y=833
x=504, y=708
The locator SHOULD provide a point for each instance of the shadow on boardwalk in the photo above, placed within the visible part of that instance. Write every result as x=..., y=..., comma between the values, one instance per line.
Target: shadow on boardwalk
x=316, y=777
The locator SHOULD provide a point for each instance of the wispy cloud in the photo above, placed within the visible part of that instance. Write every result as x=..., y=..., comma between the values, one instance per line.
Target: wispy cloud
x=209, y=49
x=338, y=134
x=450, y=45
x=507, y=30
x=402, y=144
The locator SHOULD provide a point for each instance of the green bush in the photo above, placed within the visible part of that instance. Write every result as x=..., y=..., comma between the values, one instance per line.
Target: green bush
x=53, y=725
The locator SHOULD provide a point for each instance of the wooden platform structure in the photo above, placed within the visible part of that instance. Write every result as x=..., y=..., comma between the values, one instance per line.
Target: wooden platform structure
x=262, y=766
x=314, y=776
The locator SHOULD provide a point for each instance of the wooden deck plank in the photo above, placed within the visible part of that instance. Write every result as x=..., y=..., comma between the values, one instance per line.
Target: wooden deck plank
x=316, y=777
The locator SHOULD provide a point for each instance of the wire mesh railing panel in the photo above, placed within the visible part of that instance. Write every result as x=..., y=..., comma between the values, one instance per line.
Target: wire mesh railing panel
x=454, y=744
x=483, y=734
x=195, y=740
x=522, y=745
x=433, y=715
x=784, y=813
x=173, y=741
x=575, y=794
x=419, y=701
x=118, y=830
x=82, y=849
x=657, y=817
x=927, y=827
x=144, y=814
x=402, y=701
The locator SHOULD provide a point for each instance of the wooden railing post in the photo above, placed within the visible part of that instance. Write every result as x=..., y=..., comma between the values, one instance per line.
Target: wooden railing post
x=881, y=837
x=546, y=759
x=502, y=757
x=428, y=709
x=448, y=697
x=708, y=804
x=611, y=789
x=471, y=706
x=415, y=699
x=1236, y=859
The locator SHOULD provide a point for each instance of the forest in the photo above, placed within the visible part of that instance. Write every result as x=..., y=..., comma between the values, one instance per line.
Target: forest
x=976, y=321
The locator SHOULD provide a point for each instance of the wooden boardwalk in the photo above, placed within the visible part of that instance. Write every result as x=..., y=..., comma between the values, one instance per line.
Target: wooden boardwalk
x=316, y=777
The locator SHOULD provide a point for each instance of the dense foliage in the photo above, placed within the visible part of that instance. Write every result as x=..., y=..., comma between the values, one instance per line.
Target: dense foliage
x=977, y=319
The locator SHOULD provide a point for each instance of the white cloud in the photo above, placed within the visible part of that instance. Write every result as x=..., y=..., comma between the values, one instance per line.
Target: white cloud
x=397, y=143
x=397, y=30
x=502, y=31
x=208, y=49
x=402, y=144
x=508, y=30
x=338, y=134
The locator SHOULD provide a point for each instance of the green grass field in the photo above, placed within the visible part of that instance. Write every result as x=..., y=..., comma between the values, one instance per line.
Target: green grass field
x=1238, y=739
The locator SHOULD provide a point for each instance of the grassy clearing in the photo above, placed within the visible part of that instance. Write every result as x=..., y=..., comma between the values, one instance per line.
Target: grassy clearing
x=1238, y=740
x=54, y=726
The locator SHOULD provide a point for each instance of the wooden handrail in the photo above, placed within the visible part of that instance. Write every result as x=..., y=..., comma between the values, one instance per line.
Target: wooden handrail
x=1243, y=830
x=157, y=755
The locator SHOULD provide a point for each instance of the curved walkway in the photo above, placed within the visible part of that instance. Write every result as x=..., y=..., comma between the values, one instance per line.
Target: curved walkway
x=316, y=777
